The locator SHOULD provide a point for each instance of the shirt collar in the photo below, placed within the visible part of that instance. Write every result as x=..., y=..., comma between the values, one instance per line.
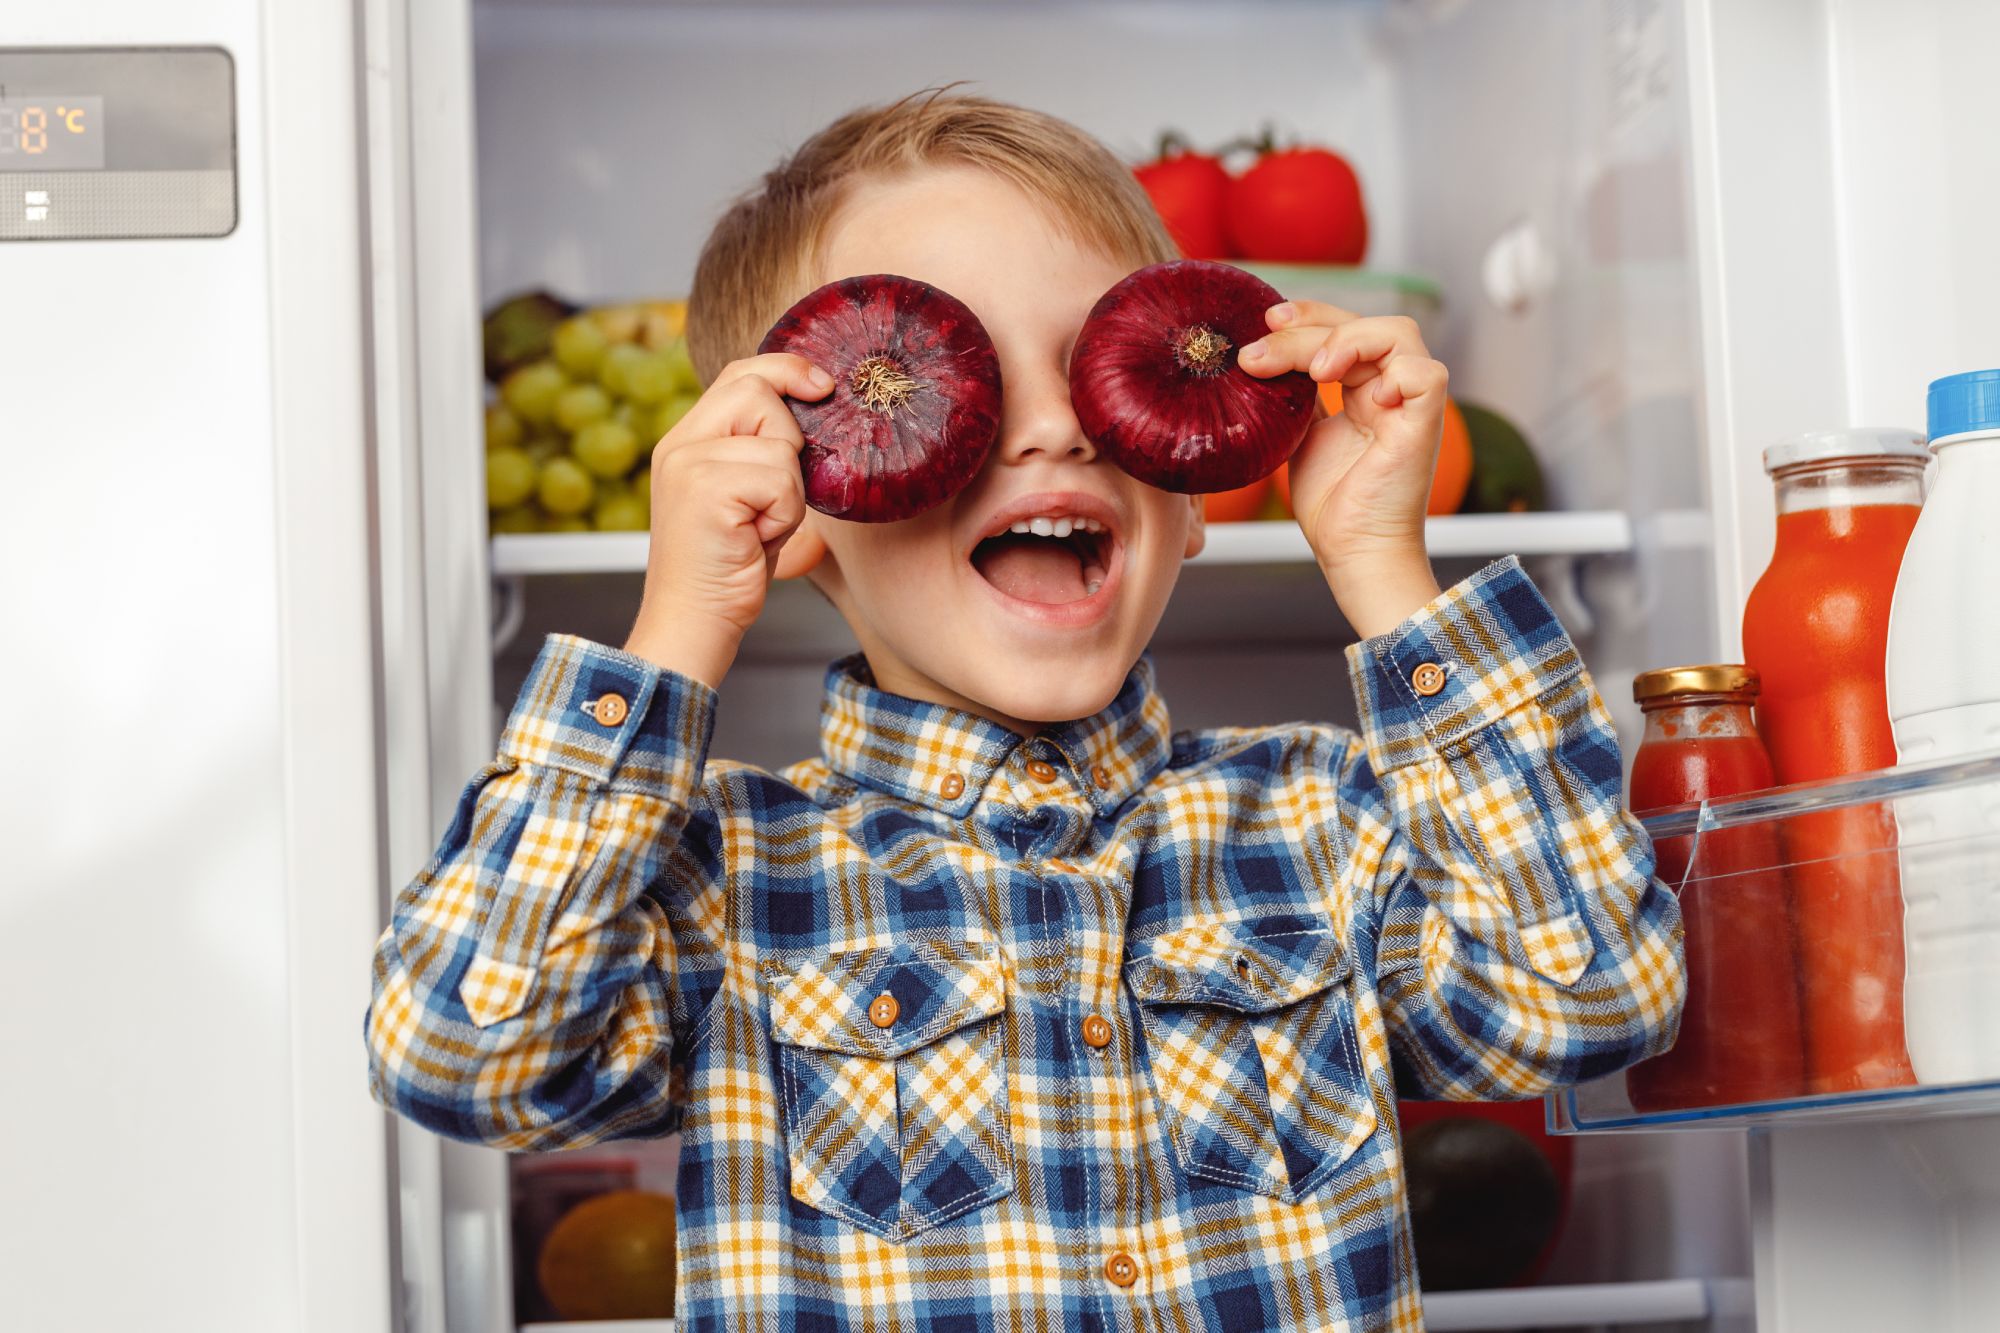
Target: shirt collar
x=942, y=757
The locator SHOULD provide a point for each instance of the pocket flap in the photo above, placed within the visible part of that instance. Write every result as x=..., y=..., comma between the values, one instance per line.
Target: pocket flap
x=938, y=986
x=1252, y=967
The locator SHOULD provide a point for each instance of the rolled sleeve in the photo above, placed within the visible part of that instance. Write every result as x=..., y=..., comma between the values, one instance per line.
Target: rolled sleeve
x=1497, y=645
x=602, y=713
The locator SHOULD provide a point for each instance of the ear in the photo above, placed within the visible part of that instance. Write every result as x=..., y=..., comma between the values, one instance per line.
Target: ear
x=1197, y=528
x=802, y=551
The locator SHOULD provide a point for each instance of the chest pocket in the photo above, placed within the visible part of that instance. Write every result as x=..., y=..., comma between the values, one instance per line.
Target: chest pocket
x=1250, y=1038
x=893, y=1082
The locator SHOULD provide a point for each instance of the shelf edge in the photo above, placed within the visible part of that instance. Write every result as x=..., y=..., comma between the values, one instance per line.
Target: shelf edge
x=1454, y=536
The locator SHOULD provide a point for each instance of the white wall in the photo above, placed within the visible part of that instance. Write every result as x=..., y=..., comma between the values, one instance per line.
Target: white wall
x=611, y=136
x=189, y=877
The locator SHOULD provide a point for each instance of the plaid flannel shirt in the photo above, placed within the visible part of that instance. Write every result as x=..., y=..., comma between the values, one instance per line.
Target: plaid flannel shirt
x=1096, y=1029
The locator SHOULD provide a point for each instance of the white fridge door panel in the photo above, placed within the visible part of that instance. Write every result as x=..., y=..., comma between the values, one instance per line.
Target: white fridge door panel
x=191, y=847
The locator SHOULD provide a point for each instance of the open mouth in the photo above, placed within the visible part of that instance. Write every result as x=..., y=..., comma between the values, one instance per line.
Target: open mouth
x=1053, y=558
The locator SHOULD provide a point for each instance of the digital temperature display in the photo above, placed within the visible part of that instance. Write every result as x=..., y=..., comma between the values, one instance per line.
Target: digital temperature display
x=115, y=143
x=48, y=133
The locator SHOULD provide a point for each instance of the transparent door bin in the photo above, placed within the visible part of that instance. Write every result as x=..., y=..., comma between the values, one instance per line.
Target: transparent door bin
x=1891, y=887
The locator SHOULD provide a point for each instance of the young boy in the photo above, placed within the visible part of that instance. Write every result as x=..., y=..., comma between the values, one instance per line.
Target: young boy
x=1017, y=1009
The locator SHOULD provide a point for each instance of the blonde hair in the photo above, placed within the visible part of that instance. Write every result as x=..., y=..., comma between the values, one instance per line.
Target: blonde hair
x=758, y=259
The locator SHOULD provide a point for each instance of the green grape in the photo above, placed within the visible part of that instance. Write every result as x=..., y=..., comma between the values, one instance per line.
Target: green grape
x=565, y=488
x=531, y=391
x=620, y=323
x=510, y=478
x=581, y=404
x=542, y=448
x=649, y=379
x=503, y=429
x=521, y=518
x=668, y=414
x=565, y=523
x=682, y=364
x=606, y=448
x=617, y=365
x=621, y=513
x=578, y=344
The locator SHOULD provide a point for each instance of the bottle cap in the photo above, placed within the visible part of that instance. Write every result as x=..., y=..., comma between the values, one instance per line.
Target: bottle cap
x=1715, y=678
x=1824, y=446
x=1964, y=404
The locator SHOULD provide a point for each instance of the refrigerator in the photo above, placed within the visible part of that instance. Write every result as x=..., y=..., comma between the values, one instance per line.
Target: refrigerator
x=258, y=635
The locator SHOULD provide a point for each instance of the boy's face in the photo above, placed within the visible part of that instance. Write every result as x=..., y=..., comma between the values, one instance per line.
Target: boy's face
x=1022, y=629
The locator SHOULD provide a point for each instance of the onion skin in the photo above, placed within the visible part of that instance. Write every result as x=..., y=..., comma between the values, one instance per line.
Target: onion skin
x=915, y=406
x=1166, y=401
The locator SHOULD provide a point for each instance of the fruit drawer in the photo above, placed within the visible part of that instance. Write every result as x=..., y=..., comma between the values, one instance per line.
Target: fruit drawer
x=1843, y=952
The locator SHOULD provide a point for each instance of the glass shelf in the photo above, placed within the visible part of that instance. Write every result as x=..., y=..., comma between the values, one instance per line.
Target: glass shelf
x=1853, y=882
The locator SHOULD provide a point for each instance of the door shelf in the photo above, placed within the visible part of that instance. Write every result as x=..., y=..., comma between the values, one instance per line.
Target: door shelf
x=1590, y=1305
x=1455, y=536
x=1921, y=840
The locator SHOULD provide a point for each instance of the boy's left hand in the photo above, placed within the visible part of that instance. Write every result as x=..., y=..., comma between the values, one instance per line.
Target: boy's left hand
x=1362, y=478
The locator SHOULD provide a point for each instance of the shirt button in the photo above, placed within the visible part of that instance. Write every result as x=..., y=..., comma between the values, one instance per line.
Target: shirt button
x=1101, y=776
x=952, y=787
x=1122, y=1269
x=1041, y=771
x=882, y=1012
x=1427, y=679
x=1096, y=1031
x=609, y=710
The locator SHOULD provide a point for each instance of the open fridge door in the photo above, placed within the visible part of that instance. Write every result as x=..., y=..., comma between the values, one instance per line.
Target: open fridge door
x=1844, y=239
x=449, y=1209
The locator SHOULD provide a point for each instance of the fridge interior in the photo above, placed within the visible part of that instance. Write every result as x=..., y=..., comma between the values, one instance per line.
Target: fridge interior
x=1527, y=159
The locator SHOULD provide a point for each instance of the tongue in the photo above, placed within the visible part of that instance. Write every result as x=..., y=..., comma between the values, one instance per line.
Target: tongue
x=1034, y=569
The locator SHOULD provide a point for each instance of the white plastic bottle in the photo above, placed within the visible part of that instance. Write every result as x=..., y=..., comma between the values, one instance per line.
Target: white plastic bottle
x=1943, y=677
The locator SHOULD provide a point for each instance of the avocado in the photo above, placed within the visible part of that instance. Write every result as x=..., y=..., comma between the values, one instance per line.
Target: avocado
x=518, y=330
x=1484, y=1201
x=1506, y=479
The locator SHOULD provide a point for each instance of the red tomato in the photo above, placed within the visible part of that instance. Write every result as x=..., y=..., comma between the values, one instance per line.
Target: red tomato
x=1298, y=206
x=1187, y=189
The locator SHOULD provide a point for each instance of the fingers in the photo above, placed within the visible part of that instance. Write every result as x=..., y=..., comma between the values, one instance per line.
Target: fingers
x=1290, y=314
x=748, y=398
x=754, y=477
x=1409, y=379
x=1348, y=352
x=784, y=372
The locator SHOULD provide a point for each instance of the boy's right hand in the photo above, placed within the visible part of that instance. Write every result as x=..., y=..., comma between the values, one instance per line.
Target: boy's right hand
x=727, y=492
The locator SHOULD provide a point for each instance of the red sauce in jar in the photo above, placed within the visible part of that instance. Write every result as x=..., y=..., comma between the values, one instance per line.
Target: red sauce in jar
x=1741, y=1039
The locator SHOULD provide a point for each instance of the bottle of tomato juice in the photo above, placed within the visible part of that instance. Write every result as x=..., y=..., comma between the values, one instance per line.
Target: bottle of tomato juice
x=1816, y=629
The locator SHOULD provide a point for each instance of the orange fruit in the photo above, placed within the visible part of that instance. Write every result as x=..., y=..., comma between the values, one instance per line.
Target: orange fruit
x=1454, y=462
x=1235, y=506
x=611, y=1257
x=1454, y=465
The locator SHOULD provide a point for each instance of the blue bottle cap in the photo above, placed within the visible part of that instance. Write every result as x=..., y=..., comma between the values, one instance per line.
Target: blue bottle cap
x=1961, y=404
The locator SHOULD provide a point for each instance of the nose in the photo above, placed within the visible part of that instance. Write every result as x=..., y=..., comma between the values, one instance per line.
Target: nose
x=1037, y=422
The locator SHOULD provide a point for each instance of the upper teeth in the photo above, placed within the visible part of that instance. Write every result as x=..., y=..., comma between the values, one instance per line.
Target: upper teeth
x=1047, y=526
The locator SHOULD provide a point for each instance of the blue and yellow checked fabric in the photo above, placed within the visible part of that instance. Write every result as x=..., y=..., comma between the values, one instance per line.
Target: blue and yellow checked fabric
x=1097, y=1029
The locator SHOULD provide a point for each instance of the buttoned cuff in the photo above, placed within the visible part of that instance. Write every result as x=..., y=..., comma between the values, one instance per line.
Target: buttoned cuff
x=1476, y=653
x=611, y=716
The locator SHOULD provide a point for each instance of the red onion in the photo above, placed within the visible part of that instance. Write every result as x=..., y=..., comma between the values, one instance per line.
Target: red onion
x=915, y=406
x=1156, y=387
